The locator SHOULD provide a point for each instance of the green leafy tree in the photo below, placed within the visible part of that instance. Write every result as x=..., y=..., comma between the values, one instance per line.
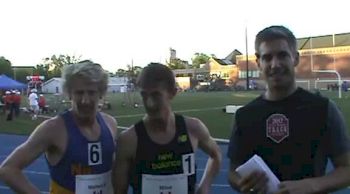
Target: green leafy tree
x=137, y=70
x=42, y=70
x=198, y=59
x=176, y=64
x=121, y=73
x=6, y=67
x=133, y=72
x=54, y=64
x=22, y=73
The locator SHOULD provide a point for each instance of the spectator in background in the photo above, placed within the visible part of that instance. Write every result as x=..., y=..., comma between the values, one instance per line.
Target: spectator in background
x=2, y=102
x=33, y=103
x=42, y=104
x=344, y=86
x=13, y=103
x=5, y=101
x=10, y=105
x=17, y=103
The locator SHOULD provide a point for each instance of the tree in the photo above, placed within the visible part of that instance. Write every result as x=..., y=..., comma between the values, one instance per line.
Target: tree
x=121, y=73
x=54, y=64
x=5, y=67
x=22, y=73
x=133, y=72
x=177, y=64
x=198, y=59
x=137, y=70
x=42, y=70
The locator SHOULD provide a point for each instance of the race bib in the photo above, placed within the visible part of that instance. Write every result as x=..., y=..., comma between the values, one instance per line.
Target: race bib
x=94, y=184
x=165, y=184
x=95, y=153
x=188, y=164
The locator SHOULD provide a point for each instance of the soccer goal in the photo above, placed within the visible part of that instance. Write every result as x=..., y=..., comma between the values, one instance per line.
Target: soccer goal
x=303, y=84
x=327, y=84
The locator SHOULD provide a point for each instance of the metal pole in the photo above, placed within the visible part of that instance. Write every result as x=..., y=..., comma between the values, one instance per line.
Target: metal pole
x=311, y=53
x=339, y=79
x=14, y=73
x=334, y=52
x=339, y=85
x=246, y=55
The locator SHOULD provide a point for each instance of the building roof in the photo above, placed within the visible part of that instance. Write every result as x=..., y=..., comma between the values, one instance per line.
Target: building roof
x=24, y=67
x=325, y=41
x=223, y=61
x=232, y=56
x=54, y=79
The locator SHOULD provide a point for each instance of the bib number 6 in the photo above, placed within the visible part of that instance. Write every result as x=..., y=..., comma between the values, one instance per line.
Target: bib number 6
x=95, y=153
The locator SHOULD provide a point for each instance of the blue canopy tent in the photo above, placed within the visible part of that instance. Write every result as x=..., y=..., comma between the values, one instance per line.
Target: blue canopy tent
x=7, y=83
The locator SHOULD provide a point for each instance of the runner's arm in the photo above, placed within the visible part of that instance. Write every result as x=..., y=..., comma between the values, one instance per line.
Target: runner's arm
x=126, y=150
x=11, y=169
x=210, y=147
x=338, y=146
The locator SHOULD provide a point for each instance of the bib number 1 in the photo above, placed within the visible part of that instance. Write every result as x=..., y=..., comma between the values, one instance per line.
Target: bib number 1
x=188, y=164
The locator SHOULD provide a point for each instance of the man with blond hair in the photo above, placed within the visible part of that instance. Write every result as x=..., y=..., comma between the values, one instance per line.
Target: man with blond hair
x=78, y=144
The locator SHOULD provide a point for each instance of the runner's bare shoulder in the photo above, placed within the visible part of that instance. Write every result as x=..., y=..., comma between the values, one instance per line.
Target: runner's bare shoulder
x=111, y=122
x=195, y=126
x=196, y=130
x=127, y=141
x=50, y=132
x=51, y=126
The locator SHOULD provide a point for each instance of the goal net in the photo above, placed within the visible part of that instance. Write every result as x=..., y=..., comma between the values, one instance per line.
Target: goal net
x=303, y=84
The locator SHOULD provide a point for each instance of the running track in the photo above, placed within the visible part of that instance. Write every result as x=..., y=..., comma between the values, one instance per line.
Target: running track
x=38, y=172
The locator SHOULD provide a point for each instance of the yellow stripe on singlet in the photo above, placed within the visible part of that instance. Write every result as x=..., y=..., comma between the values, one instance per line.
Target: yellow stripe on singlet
x=58, y=189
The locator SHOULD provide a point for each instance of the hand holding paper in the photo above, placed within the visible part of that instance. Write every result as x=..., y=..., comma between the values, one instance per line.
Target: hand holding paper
x=255, y=163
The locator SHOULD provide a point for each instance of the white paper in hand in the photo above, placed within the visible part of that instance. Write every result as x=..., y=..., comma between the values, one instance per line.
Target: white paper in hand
x=257, y=163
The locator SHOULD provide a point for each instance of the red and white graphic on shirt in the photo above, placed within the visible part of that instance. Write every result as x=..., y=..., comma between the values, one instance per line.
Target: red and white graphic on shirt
x=277, y=127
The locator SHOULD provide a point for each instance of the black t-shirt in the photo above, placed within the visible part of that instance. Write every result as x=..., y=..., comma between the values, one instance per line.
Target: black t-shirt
x=294, y=136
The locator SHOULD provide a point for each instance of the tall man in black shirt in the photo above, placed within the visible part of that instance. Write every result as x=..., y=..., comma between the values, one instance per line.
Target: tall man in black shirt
x=293, y=130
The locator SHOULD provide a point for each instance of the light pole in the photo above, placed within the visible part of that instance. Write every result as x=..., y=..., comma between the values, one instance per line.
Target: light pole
x=246, y=55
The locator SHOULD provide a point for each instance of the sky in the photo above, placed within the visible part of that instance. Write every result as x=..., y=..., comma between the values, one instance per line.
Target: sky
x=116, y=33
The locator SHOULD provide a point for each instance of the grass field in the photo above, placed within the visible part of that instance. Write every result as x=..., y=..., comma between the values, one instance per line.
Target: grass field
x=206, y=106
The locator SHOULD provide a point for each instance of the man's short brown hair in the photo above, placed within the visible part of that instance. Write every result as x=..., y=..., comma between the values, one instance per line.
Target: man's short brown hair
x=154, y=74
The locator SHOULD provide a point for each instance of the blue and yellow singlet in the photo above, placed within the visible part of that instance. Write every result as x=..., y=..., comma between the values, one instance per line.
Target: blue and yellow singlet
x=85, y=165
